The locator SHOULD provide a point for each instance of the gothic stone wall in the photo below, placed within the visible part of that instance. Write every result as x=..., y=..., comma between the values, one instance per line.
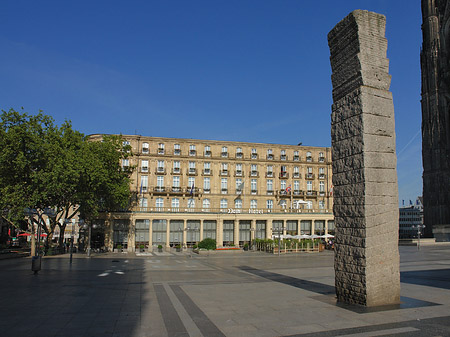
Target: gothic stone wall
x=364, y=163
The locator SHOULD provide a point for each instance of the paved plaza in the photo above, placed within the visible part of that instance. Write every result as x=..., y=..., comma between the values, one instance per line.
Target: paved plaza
x=248, y=294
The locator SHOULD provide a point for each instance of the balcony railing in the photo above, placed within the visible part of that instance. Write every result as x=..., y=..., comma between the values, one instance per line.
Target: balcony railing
x=224, y=173
x=311, y=193
x=321, y=159
x=309, y=176
x=322, y=175
x=231, y=210
x=145, y=150
x=283, y=157
x=238, y=173
x=144, y=169
x=176, y=189
x=297, y=192
x=296, y=158
x=239, y=155
x=176, y=170
x=254, y=174
x=254, y=156
x=224, y=154
x=296, y=175
x=192, y=153
x=192, y=171
x=207, y=172
x=269, y=157
x=284, y=175
x=159, y=189
x=160, y=150
x=309, y=159
x=177, y=152
x=269, y=174
x=160, y=170
x=207, y=153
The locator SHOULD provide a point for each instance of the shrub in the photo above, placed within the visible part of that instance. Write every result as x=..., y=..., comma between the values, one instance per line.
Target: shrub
x=208, y=243
x=159, y=246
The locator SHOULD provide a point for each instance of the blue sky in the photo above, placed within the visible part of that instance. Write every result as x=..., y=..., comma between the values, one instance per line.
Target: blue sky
x=242, y=70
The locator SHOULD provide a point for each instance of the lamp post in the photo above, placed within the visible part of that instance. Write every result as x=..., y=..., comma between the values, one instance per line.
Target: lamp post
x=419, y=232
x=252, y=236
x=279, y=230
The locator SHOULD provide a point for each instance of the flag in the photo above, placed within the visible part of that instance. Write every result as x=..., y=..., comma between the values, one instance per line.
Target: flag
x=140, y=191
x=288, y=189
x=192, y=189
x=331, y=190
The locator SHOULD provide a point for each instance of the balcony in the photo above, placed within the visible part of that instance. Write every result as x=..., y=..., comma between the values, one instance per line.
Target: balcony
x=192, y=153
x=176, y=189
x=176, y=170
x=254, y=156
x=224, y=190
x=192, y=171
x=144, y=169
x=238, y=191
x=207, y=153
x=239, y=155
x=269, y=157
x=283, y=157
x=177, y=152
x=144, y=189
x=224, y=173
x=322, y=193
x=269, y=174
x=207, y=172
x=238, y=173
x=224, y=154
x=309, y=159
x=254, y=192
x=194, y=190
x=309, y=176
x=321, y=159
x=284, y=175
x=160, y=150
x=145, y=150
x=322, y=175
x=159, y=189
x=269, y=192
x=311, y=193
x=296, y=175
x=296, y=158
x=284, y=193
x=254, y=174
x=298, y=192
x=160, y=170
x=207, y=190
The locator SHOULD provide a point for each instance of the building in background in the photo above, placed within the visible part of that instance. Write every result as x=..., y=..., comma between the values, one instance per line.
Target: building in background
x=411, y=219
x=187, y=190
x=435, y=65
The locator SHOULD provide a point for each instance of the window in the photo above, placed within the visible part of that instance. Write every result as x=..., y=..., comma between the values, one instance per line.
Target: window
x=192, y=150
x=125, y=164
x=254, y=170
x=283, y=173
x=269, y=204
x=308, y=157
x=321, y=157
x=269, y=185
x=207, y=151
x=309, y=205
x=254, y=154
x=206, y=204
x=126, y=143
x=321, y=173
x=224, y=151
x=191, y=182
x=175, y=204
x=160, y=148
x=176, y=184
x=238, y=185
x=253, y=204
x=159, y=203
x=296, y=185
x=269, y=154
x=283, y=204
x=296, y=156
x=206, y=185
x=321, y=186
x=176, y=166
x=160, y=183
x=145, y=148
x=160, y=167
x=144, y=184
x=224, y=169
x=309, y=186
x=269, y=171
x=223, y=203
x=253, y=186
x=321, y=204
x=143, y=202
x=192, y=169
x=309, y=173
x=296, y=172
x=206, y=168
x=239, y=153
x=238, y=203
x=283, y=155
x=238, y=169
x=176, y=149
x=283, y=185
x=224, y=185
x=144, y=166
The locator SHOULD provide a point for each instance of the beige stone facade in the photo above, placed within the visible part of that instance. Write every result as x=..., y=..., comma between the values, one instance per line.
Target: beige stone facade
x=187, y=190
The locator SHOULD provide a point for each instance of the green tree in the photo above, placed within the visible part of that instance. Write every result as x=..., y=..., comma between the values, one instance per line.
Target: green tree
x=57, y=170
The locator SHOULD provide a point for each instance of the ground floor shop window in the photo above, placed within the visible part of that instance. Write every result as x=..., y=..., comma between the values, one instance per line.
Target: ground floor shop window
x=228, y=233
x=305, y=227
x=159, y=232
x=192, y=232
x=120, y=235
x=331, y=228
x=291, y=227
x=209, y=229
x=260, y=229
x=142, y=234
x=319, y=227
x=244, y=231
x=176, y=232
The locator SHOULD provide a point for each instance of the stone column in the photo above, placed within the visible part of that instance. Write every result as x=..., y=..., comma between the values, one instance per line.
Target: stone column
x=150, y=235
x=184, y=234
x=219, y=232
x=167, y=233
x=364, y=163
x=201, y=229
x=236, y=233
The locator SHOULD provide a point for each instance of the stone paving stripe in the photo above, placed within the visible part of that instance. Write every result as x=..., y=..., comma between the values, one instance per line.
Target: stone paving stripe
x=315, y=287
x=200, y=319
x=382, y=332
x=172, y=321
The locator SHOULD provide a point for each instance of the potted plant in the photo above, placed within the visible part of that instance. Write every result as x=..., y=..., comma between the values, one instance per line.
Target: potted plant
x=178, y=247
x=141, y=248
x=246, y=246
x=160, y=248
x=119, y=248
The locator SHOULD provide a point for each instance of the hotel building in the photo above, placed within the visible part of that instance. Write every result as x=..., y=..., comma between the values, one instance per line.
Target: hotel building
x=186, y=190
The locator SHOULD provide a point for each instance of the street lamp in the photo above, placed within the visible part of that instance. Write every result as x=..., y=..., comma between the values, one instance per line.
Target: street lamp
x=419, y=230
x=252, y=236
x=279, y=230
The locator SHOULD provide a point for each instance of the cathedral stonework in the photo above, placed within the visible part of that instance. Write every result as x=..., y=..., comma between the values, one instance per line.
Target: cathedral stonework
x=364, y=163
x=434, y=60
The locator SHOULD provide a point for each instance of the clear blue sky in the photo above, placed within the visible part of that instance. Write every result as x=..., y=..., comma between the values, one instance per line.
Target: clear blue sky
x=242, y=70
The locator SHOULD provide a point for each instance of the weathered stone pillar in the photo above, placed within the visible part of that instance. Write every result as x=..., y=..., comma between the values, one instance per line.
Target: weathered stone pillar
x=364, y=163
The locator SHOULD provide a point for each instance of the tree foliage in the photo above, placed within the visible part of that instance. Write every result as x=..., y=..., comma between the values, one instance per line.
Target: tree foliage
x=51, y=169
